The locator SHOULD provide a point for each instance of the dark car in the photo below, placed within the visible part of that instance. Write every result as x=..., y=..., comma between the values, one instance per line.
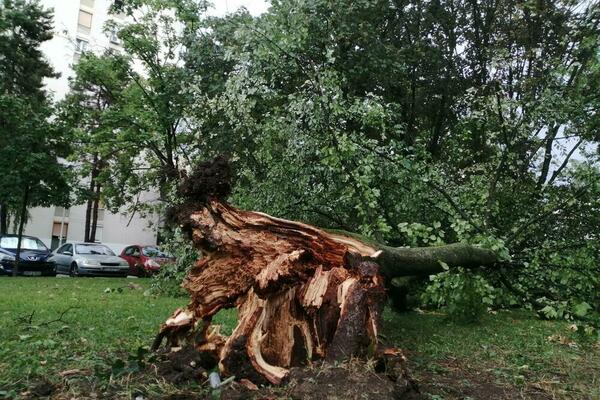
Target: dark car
x=33, y=258
x=145, y=260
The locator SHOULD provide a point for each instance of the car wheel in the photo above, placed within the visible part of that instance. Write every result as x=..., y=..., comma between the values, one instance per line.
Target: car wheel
x=74, y=271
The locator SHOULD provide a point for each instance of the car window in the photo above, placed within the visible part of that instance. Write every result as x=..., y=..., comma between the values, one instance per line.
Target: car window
x=64, y=248
x=151, y=251
x=135, y=251
x=11, y=242
x=90, y=248
x=128, y=251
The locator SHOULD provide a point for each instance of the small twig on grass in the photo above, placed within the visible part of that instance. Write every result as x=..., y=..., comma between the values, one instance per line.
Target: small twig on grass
x=28, y=319
x=25, y=319
x=59, y=319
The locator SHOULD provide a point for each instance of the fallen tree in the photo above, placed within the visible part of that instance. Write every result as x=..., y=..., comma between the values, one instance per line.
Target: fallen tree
x=302, y=293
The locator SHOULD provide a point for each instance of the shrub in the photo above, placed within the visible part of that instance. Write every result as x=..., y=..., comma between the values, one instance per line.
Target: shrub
x=465, y=296
x=168, y=281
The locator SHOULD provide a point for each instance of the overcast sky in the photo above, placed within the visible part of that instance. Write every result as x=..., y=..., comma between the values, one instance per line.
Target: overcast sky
x=255, y=7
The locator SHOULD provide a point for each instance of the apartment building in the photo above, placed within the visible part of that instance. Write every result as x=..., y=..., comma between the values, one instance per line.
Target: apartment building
x=78, y=27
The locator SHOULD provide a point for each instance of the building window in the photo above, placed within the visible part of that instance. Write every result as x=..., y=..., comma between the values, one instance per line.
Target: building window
x=99, y=232
x=84, y=22
x=60, y=212
x=113, y=37
x=87, y=3
x=59, y=237
x=81, y=46
x=101, y=211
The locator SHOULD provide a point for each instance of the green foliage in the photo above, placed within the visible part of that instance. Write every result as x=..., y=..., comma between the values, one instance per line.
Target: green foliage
x=464, y=295
x=30, y=142
x=458, y=123
x=420, y=235
x=170, y=276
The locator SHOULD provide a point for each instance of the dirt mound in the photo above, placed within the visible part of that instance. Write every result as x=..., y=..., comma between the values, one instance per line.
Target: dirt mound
x=183, y=366
x=322, y=381
x=355, y=380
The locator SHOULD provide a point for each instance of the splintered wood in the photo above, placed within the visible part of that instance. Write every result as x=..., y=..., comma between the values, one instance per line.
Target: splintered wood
x=302, y=294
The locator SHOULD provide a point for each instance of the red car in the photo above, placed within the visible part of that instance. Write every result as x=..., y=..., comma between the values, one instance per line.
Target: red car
x=145, y=260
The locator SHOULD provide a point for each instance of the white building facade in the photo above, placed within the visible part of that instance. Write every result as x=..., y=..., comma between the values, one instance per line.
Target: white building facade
x=79, y=26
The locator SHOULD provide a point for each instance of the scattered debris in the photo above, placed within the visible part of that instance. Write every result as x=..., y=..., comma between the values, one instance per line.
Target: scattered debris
x=72, y=372
x=562, y=340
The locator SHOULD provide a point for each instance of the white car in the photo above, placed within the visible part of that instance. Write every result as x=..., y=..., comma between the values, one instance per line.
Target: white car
x=77, y=258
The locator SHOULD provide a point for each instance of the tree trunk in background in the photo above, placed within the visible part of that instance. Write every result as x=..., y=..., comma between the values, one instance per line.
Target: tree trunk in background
x=22, y=217
x=90, y=201
x=96, y=205
x=88, y=218
x=3, y=219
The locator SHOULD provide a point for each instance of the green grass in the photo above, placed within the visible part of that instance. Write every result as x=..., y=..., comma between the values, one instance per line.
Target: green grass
x=508, y=349
x=103, y=326
x=103, y=320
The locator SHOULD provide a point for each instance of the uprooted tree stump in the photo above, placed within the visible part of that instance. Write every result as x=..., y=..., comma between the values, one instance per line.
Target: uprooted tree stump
x=302, y=293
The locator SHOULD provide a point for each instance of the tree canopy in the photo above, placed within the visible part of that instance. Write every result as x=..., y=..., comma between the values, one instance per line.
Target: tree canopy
x=419, y=123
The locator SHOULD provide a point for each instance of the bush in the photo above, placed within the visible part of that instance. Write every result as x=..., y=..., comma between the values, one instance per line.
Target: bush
x=168, y=281
x=465, y=296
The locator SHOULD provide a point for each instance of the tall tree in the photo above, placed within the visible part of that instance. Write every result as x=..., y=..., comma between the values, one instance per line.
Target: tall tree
x=93, y=111
x=30, y=145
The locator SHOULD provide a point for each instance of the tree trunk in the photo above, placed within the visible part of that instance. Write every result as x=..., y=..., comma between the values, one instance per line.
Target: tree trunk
x=90, y=201
x=21, y=225
x=3, y=219
x=96, y=205
x=302, y=293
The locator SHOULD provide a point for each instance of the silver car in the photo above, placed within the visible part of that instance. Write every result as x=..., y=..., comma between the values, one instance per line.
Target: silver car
x=77, y=258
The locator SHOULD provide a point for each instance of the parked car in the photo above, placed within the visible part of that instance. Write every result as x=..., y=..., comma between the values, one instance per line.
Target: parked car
x=78, y=258
x=34, y=256
x=145, y=260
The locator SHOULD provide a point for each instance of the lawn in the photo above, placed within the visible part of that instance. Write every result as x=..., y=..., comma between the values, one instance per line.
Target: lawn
x=511, y=353
x=93, y=325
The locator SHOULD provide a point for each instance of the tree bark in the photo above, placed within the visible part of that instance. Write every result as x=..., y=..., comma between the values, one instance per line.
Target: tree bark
x=95, y=206
x=90, y=201
x=88, y=219
x=21, y=225
x=422, y=261
x=3, y=219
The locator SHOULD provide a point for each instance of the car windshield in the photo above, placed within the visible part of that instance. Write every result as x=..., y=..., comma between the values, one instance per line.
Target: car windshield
x=150, y=251
x=94, y=249
x=11, y=242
